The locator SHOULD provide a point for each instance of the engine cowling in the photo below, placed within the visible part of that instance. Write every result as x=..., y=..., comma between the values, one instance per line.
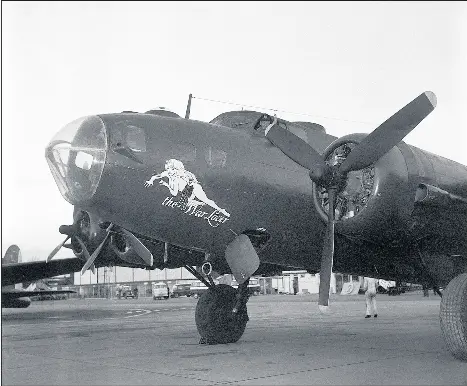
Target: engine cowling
x=376, y=203
x=88, y=229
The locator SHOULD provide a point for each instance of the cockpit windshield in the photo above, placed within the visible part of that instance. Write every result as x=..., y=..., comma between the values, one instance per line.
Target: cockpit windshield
x=254, y=120
x=76, y=158
x=243, y=119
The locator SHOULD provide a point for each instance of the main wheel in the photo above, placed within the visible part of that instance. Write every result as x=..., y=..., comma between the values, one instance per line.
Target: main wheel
x=453, y=316
x=214, y=318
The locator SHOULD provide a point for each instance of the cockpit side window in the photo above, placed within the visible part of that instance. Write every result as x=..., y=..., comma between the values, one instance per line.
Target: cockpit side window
x=215, y=157
x=237, y=119
x=135, y=138
x=130, y=136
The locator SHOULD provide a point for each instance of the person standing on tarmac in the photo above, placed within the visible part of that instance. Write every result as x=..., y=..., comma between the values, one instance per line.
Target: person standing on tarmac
x=370, y=285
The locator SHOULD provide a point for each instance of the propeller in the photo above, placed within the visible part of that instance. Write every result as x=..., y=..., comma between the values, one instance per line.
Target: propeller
x=56, y=249
x=134, y=242
x=139, y=248
x=333, y=177
x=92, y=258
x=86, y=253
x=72, y=231
x=81, y=244
x=327, y=255
x=389, y=133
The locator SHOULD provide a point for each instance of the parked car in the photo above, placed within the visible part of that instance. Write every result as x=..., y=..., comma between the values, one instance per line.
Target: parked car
x=160, y=291
x=197, y=288
x=181, y=290
x=127, y=292
x=254, y=287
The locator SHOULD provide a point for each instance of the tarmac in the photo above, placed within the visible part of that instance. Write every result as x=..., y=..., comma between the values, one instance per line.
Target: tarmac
x=286, y=342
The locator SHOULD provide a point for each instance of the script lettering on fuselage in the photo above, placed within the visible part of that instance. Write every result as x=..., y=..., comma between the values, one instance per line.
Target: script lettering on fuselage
x=214, y=218
x=187, y=194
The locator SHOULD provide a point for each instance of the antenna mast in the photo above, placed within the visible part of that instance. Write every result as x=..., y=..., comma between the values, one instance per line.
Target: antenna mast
x=188, y=107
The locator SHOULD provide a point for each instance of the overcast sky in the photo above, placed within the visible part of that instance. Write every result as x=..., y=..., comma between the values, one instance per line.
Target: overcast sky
x=349, y=65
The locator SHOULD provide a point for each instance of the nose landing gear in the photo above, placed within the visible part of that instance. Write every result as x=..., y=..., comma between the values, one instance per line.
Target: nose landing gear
x=221, y=314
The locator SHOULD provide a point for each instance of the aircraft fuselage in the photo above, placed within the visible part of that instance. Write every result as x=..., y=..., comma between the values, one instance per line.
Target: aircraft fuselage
x=197, y=185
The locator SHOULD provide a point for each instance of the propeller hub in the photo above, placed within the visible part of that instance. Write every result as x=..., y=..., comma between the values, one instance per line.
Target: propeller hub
x=353, y=188
x=69, y=230
x=321, y=175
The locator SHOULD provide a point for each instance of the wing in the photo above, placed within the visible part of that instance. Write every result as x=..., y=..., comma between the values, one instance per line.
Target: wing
x=16, y=294
x=35, y=270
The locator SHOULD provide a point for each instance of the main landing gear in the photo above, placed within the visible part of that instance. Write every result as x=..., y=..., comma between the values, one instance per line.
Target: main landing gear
x=221, y=313
x=453, y=316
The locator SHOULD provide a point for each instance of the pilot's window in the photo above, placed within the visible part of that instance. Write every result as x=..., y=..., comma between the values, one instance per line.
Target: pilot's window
x=215, y=157
x=237, y=119
x=83, y=160
x=136, y=138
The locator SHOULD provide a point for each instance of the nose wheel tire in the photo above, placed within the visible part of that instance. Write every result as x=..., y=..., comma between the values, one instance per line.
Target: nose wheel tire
x=215, y=321
x=453, y=316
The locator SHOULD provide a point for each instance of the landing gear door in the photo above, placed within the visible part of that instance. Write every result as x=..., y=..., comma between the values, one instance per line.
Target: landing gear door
x=242, y=258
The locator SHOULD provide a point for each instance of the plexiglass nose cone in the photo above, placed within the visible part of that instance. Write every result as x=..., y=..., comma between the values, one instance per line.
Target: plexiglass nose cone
x=76, y=157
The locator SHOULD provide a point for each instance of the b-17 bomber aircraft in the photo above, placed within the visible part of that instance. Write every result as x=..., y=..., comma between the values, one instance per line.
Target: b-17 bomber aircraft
x=248, y=193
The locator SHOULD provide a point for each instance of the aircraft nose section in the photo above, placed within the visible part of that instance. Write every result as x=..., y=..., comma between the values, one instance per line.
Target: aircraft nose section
x=76, y=157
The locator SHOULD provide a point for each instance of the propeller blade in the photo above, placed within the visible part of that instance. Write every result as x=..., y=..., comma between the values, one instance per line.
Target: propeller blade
x=328, y=255
x=389, y=133
x=297, y=149
x=57, y=248
x=139, y=248
x=94, y=255
x=83, y=247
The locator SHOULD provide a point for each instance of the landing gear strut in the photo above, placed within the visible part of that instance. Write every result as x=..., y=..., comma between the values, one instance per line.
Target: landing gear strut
x=221, y=314
x=453, y=316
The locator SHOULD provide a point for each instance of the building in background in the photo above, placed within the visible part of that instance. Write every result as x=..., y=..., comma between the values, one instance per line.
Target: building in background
x=103, y=283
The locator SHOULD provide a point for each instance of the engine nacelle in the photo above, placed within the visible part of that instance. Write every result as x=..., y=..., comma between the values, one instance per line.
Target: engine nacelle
x=15, y=303
x=377, y=204
x=377, y=201
x=89, y=230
